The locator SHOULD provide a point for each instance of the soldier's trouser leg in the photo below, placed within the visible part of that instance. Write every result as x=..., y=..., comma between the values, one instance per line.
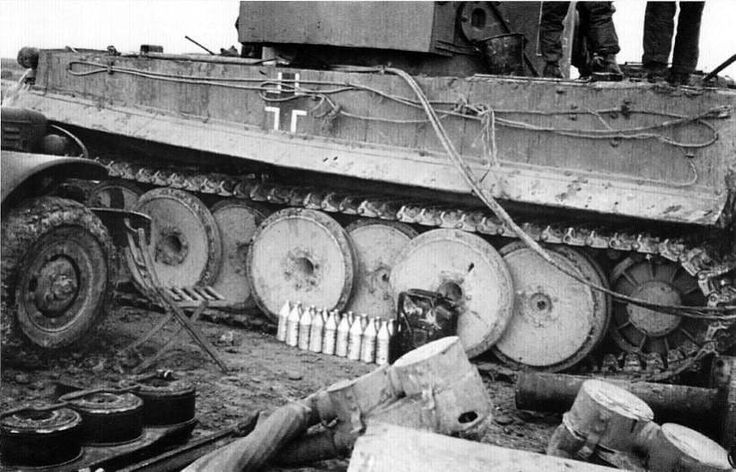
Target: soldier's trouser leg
x=551, y=28
x=601, y=31
x=685, y=55
x=581, y=53
x=659, y=24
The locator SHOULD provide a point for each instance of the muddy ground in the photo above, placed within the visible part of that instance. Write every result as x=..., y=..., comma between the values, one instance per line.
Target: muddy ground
x=264, y=374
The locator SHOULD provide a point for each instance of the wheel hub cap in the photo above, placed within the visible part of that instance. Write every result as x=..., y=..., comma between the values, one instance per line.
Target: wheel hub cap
x=172, y=247
x=538, y=307
x=301, y=269
x=56, y=286
x=651, y=322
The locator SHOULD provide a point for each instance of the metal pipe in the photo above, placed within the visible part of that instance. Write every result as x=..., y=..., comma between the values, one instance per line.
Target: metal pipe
x=195, y=42
x=715, y=71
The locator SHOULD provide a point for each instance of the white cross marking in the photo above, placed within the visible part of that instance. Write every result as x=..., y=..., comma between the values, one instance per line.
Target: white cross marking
x=276, y=116
x=279, y=84
x=295, y=114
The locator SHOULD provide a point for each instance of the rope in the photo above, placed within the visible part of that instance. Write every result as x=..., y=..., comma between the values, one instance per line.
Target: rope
x=471, y=112
x=728, y=313
x=479, y=113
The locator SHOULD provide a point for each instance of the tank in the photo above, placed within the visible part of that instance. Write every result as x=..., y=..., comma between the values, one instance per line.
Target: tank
x=339, y=161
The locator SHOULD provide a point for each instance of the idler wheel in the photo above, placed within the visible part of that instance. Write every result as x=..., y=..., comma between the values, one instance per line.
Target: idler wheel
x=166, y=401
x=557, y=321
x=300, y=255
x=643, y=331
x=40, y=438
x=185, y=241
x=108, y=417
x=468, y=270
x=114, y=194
x=377, y=245
x=237, y=221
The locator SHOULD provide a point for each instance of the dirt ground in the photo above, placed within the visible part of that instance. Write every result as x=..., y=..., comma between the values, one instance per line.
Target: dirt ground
x=264, y=374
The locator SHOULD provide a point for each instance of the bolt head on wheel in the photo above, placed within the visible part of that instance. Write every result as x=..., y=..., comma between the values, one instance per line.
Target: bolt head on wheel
x=467, y=269
x=300, y=255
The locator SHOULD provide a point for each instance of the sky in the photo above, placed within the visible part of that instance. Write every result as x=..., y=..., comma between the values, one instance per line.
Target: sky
x=127, y=24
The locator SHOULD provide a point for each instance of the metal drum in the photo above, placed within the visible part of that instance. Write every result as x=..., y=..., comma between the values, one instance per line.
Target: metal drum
x=166, y=401
x=108, y=417
x=40, y=437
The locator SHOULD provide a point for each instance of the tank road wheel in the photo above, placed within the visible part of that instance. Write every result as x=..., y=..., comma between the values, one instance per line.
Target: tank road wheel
x=56, y=269
x=377, y=244
x=237, y=221
x=300, y=255
x=468, y=270
x=114, y=194
x=557, y=321
x=643, y=331
x=185, y=241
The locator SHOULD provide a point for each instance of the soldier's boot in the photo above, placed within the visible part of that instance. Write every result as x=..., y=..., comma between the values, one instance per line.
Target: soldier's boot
x=552, y=70
x=605, y=67
x=676, y=78
x=656, y=71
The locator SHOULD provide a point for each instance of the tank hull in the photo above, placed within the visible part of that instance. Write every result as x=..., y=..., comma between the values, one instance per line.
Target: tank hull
x=610, y=148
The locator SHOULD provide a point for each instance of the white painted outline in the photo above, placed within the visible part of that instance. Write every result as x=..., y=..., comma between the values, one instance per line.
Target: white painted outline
x=276, y=116
x=295, y=114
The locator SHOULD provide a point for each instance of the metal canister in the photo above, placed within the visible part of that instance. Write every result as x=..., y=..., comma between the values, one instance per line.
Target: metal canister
x=38, y=437
x=167, y=401
x=108, y=417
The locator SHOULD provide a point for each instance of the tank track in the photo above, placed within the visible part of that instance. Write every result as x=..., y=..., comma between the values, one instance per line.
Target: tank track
x=695, y=260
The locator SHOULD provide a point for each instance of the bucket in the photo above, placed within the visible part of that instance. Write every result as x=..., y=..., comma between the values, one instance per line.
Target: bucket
x=503, y=54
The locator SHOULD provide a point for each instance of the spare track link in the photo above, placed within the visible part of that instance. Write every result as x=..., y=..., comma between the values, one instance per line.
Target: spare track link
x=695, y=260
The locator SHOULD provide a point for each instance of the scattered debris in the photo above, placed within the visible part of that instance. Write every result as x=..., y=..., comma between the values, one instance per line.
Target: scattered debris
x=432, y=388
x=294, y=375
x=503, y=420
x=609, y=424
x=22, y=379
x=705, y=409
x=227, y=339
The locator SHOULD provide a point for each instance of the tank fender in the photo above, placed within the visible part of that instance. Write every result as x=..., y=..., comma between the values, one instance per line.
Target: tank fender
x=19, y=167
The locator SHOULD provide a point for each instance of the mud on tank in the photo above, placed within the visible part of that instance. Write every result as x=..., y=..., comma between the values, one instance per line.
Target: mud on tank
x=334, y=162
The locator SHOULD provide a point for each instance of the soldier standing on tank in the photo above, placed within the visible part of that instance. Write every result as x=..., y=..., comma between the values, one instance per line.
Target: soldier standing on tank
x=659, y=25
x=596, y=28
